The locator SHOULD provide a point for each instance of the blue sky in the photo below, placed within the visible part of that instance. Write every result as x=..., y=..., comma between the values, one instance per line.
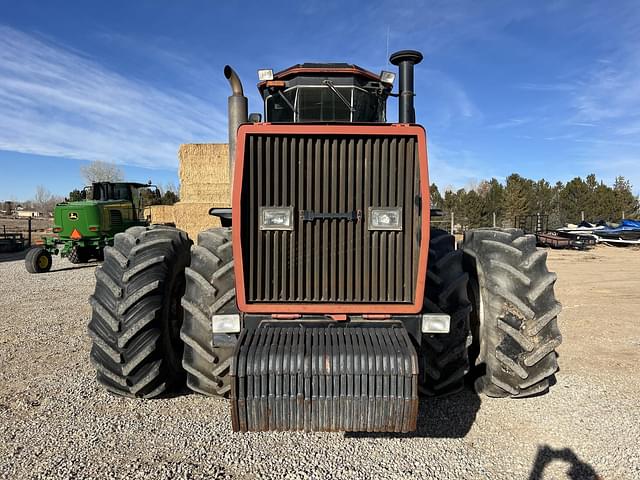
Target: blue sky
x=544, y=89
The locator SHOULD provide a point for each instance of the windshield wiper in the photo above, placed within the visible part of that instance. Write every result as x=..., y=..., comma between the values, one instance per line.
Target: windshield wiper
x=333, y=88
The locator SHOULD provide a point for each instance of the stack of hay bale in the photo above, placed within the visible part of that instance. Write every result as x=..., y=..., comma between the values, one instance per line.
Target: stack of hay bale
x=204, y=183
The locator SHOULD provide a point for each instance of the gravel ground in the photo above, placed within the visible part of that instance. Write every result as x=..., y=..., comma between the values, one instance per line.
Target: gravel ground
x=55, y=422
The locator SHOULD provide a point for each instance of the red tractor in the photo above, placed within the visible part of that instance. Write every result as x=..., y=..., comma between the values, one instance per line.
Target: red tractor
x=326, y=301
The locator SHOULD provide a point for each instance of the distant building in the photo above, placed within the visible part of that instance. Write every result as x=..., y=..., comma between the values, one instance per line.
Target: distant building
x=7, y=208
x=28, y=213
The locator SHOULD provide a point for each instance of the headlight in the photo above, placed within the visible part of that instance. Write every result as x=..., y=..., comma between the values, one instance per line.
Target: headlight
x=435, y=323
x=265, y=74
x=276, y=218
x=387, y=77
x=385, y=218
x=225, y=323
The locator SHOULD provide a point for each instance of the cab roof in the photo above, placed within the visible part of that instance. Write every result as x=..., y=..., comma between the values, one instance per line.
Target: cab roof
x=320, y=68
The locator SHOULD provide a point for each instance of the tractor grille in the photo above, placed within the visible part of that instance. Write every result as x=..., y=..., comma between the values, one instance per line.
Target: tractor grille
x=327, y=259
x=115, y=217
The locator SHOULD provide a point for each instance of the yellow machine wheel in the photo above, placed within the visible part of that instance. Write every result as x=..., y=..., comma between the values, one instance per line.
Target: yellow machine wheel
x=38, y=260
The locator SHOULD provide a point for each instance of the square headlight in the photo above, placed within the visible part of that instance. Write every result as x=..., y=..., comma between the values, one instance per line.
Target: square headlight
x=387, y=77
x=265, y=74
x=385, y=218
x=276, y=218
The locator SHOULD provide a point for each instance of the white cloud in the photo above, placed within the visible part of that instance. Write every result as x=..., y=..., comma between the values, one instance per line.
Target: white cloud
x=511, y=122
x=547, y=87
x=57, y=101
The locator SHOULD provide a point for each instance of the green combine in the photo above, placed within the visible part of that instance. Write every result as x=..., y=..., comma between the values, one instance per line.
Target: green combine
x=82, y=229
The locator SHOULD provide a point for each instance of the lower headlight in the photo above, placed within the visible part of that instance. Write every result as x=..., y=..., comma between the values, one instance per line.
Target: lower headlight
x=225, y=323
x=435, y=323
x=385, y=218
x=276, y=218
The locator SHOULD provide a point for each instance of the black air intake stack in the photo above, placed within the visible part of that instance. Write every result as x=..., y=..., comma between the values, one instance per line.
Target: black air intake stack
x=405, y=60
x=238, y=114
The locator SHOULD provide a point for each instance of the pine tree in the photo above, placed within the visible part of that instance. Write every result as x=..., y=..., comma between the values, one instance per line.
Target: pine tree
x=436, y=198
x=625, y=201
x=518, y=197
x=574, y=198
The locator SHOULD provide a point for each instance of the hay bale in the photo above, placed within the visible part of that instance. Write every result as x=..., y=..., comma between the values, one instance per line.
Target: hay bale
x=160, y=213
x=194, y=218
x=215, y=194
x=204, y=163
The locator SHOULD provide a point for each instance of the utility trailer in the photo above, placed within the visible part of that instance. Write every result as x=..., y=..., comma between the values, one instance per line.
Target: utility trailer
x=326, y=301
x=11, y=242
x=538, y=226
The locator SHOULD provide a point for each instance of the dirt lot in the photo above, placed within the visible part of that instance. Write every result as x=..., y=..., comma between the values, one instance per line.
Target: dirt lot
x=55, y=421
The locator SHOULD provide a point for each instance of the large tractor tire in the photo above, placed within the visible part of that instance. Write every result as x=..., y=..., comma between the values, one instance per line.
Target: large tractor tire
x=136, y=318
x=78, y=255
x=515, y=313
x=443, y=357
x=210, y=291
x=38, y=260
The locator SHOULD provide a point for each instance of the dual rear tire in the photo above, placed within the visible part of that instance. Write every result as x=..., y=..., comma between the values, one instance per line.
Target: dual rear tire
x=136, y=317
x=499, y=293
x=515, y=315
x=210, y=291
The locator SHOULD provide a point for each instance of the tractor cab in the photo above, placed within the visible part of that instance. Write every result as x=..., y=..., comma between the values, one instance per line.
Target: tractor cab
x=325, y=92
x=138, y=194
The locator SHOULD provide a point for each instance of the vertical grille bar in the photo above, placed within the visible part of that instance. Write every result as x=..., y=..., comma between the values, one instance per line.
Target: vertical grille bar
x=375, y=240
x=341, y=181
x=359, y=205
x=333, y=225
x=252, y=231
x=277, y=236
x=331, y=259
x=326, y=247
x=384, y=202
x=350, y=194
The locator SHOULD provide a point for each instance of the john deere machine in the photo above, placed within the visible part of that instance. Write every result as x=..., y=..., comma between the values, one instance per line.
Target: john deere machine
x=84, y=228
x=330, y=302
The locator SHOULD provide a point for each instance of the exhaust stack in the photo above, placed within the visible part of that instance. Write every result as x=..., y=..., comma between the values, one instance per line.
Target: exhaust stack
x=405, y=60
x=238, y=114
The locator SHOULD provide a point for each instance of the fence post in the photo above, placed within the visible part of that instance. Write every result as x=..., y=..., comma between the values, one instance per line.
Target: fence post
x=582, y=215
x=494, y=219
x=451, y=223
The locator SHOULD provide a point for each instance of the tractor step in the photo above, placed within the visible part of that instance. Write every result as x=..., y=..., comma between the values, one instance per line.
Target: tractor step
x=319, y=378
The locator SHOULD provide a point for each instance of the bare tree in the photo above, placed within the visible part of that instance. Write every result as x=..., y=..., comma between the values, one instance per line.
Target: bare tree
x=44, y=201
x=98, y=171
x=43, y=198
x=170, y=187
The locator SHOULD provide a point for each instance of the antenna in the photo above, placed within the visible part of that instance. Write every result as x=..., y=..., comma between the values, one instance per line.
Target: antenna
x=387, y=55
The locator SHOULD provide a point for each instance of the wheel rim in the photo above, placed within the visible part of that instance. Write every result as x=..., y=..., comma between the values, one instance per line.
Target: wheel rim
x=43, y=261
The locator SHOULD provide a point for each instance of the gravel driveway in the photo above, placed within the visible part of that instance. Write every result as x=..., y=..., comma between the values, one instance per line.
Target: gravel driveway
x=56, y=423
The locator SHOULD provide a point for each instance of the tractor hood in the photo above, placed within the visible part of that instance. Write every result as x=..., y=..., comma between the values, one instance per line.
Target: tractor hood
x=77, y=220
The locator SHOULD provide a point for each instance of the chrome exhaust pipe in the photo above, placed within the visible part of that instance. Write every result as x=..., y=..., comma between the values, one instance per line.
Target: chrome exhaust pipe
x=238, y=111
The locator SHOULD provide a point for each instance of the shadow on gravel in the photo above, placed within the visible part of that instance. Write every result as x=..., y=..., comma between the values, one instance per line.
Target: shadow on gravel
x=441, y=417
x=578, y=470
x=76, y=267
x=13, y=256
